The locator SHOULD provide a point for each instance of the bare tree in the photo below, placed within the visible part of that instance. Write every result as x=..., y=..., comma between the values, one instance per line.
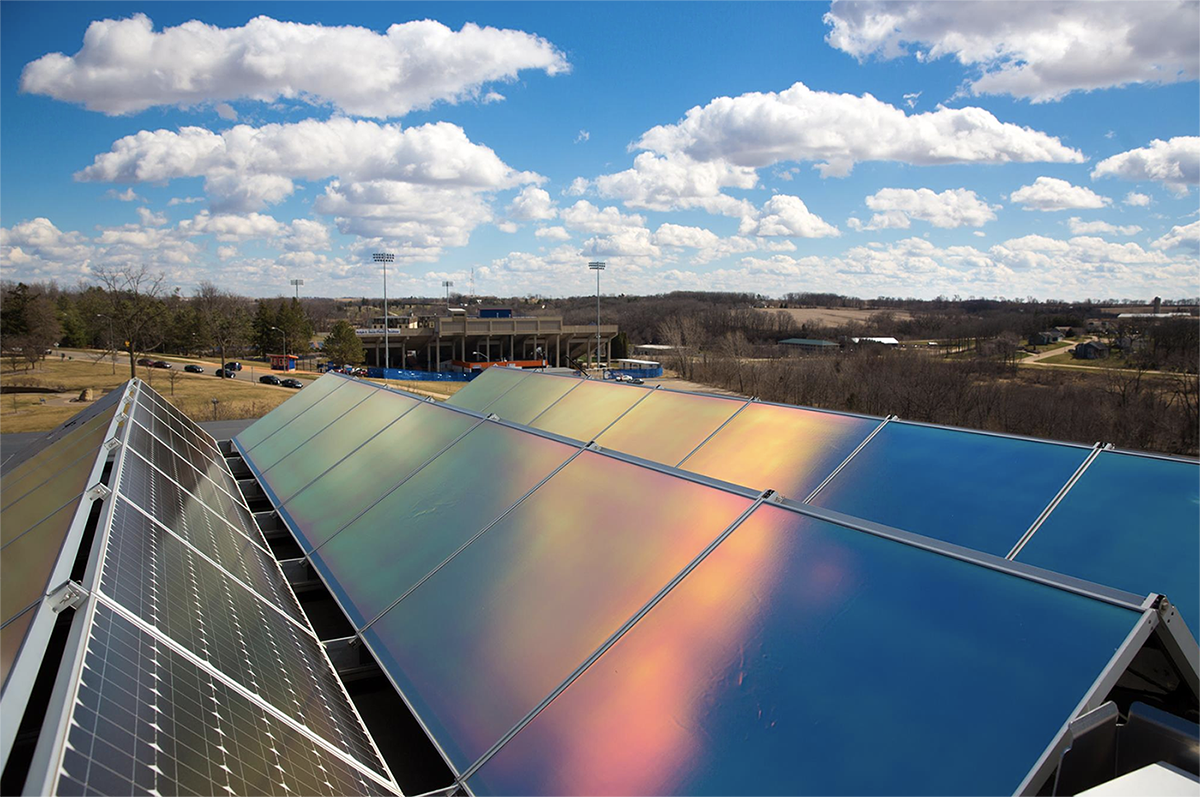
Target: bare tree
x=135, y=297
x=223, y=317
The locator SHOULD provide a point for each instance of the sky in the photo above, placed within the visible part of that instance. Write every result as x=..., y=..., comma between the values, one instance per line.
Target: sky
x=907, y=149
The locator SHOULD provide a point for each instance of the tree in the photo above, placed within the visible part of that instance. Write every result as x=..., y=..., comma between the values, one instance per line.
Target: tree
x=343, y=346
x=28, y=323
x=135, y=306
x=265, y=321
x=223, y=321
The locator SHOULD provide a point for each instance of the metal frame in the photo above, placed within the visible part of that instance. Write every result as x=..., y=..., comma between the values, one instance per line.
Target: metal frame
x=30, y=655
x=1054, y=502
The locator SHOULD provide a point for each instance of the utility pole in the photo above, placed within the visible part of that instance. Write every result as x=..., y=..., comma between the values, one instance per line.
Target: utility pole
x=384, y=258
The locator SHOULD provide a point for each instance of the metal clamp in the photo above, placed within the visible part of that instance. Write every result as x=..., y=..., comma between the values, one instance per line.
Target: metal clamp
x=97, y=492
x=111, y=443
x=67, y=595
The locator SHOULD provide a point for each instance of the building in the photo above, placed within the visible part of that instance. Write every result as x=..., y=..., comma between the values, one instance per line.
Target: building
x=885, y=341
x=1046, y=338
x=1092, y=350
x=433, y=342
x=809, y=344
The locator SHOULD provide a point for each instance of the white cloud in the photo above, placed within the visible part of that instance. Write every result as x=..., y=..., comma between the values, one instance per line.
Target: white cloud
x=1174, y=163
x=1051, y=193
x=532, y=204
x=711, y=246
x=183, y=200
x=306, y=235
x=1080, y=227
x=911, y=99
x=226, y=111
x=509, y=227
x=896, y=207
x=230, y=227
x=677, y=182
x=553, y=233
x=39, y=250
x=492, y=96
x=838, y=130
x=979, y=234
x=226, y=252
x=125, y=67
x=578, y=187
x=1185, y=237
x=246, y=167
x=128, y=195
x=785, y=215
x=1136, y=200
x=585, y=217
x=582, y=137
x=150, y=219
x=1043, y=51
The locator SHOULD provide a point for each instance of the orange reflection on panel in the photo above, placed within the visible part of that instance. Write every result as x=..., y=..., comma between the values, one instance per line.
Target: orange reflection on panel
x=588, y=409
x=786, y=449
x=667, y=426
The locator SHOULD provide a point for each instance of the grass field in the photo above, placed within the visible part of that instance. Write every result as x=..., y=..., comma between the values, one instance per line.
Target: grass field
x=833, y=316
x=191, y=393
x=1066, y=358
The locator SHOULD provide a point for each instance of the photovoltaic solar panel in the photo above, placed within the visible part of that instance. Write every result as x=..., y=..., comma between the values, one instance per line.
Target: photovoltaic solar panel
x=50, y=461
x=11, y=636
x=104, y=404
x=184, y=425
x=486, y=388
x=146, y=720
x=162, y=580
x=199, y=458
x=800, y=657
x=165, y=458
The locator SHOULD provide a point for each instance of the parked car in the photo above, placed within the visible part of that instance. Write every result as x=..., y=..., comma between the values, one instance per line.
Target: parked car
x=292, y=383
x=161, y=364
x=233, y=366
x=269, y=379
x=145, y=362
x=358, y=372
x=192, y=368
x=224, y=374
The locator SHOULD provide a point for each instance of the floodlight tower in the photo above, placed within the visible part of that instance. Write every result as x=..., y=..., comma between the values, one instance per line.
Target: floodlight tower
x=597, y=266
x=385, y=258
x=447, y=284
x=296, y=284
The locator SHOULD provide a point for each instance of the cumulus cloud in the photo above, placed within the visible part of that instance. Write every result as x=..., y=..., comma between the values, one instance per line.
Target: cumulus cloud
x=532, y=204
x=835, y=131
x=226, y=111
x=229, y=227
x=1051, y=193
x=124, y=66
x=709, y=246
x=38, y=248
x=1136, y=200
x=582, y=137
x=1185, y=237
x=895, y=208
x=509, y=227
x=128, y=195
x=585, y=217
x=1080, y=227
x=553, y=233
x=1042, y=52
x=1174, y=163
x=151, y=219
x=784, y=215
x=226, y=252
x=578, y=187
x=677, y=182
x=183, y=200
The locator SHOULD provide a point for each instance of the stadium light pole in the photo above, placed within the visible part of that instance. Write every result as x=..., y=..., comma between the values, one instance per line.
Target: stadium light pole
x=296, y=284
x=385, y=258
x=447, y=284
x=597, y=266
x=110, y=339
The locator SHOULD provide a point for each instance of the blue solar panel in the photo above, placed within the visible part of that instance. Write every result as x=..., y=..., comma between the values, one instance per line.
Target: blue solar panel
x=977, y=490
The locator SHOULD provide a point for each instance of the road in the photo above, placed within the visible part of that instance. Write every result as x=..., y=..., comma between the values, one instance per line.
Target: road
x=249, y=374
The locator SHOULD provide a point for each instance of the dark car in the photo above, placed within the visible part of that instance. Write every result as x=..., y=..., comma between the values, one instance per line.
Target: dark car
x=161, y=364
x=293, y=383
x=233, y=366
x=224, y=374
x=145, y=362
x=269, y=379
x=192, y=368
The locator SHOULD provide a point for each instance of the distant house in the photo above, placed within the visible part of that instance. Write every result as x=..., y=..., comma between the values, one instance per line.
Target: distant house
x=1092, y=350
x=1045, y=338
x=1129, y=343
x=1098, y=325
x=809, y=344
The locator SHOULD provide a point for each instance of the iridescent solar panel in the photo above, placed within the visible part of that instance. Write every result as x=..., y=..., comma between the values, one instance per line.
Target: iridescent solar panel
x=147, y=720
x=12, y=634
x=530, y=397
x=26, y=562
x=802, y=657
x=85, y=440
x=977, y=490
x=486, y=388
x=523, y=605
x=588, y=409
x=786, y=449
x=335, y=441
x=304, y=426
x=159, y=578
x=386, y=551
x=353, y=485
x=667, y=426
x=277, y=418
x=1131, y=522
x=106, y=404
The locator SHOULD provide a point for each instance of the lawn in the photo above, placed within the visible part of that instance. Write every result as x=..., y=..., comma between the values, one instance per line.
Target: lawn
x=1066, y=358
x=191, y=393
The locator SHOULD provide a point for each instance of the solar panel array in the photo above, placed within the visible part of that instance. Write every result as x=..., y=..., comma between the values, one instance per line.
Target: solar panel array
x=198, y=672
x=1118, y=518
x=563, y=618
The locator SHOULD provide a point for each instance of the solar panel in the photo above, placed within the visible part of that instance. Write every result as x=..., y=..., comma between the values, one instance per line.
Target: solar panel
x=801, y=657
x=295, y=405
x=588, y=409
x=171, y=587
x=11, y=636
x=297, y=431
x=163, y=499
x=213, y=476
x=538, y=592
x=667, y=426
x=786, y=449
x=973, y=489
x=62, y=489
x=1130, y=522
x=529, y=397
x=200, y=459
x=182, y=426
x=290, y=474
x=147, y=720
x=353, y=485
x=486, y=388
x=51, y=460
x=414, y=528
x=68, y=427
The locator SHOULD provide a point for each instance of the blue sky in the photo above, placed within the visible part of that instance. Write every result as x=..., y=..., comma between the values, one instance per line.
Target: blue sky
x=915, y=149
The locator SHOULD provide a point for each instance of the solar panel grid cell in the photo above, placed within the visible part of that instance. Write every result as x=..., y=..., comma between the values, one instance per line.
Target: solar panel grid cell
x=295, y=406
